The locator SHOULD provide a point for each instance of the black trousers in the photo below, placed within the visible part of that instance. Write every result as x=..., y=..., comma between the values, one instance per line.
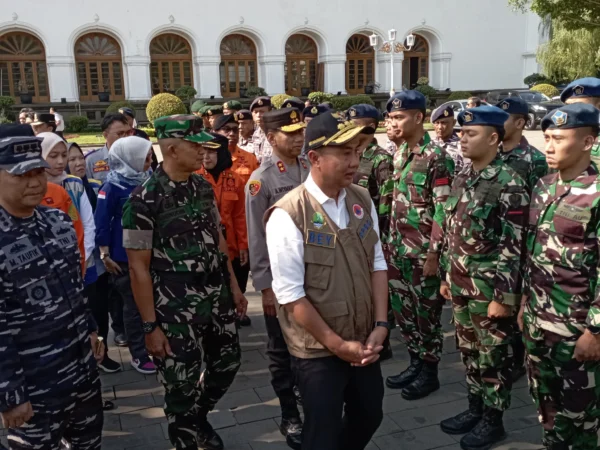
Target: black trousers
x=282, y=377
x=241, y=273
x=98, y=303
x=330, y=386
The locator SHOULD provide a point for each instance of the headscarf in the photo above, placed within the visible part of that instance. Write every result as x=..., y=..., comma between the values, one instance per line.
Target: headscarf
x=50, y=141
x=126, y=161
x=224, y=160
x=89, y=190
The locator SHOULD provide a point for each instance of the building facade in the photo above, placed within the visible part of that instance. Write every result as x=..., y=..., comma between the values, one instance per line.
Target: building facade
x=79, y=51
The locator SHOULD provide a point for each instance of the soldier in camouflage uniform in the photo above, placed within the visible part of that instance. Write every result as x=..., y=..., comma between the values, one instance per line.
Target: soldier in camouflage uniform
x=485, y=220
x=182, y=282
x=445, y=136
x=561, y=305
x=49, y=383
x=262, y=147
x=419, y=187
x=585, y=90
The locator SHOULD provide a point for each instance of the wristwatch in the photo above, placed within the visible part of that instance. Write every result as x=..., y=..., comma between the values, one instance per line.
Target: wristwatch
x=149, y=327
x=594, y=330
x=103, y=256
x=385, y=325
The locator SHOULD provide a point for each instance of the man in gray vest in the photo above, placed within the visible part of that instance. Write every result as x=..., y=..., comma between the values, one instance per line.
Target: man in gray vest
x=279, y=173
x=330, y=280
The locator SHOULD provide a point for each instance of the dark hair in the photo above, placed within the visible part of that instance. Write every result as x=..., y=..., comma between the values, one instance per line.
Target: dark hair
x=111, y=118
x=475, y=100
x=26, y=111
x=327, y=105
x=595, y=129
x=501, y=133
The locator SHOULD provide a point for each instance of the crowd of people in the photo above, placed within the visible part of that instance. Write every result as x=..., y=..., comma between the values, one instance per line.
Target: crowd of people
x=344, y=240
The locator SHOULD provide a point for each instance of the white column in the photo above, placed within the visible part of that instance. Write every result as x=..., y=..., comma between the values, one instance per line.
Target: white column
x=138, y=85
x=206, y=76
x=398, y=61
x=383, y=71
x=335, y=73
x=62, y=81
x=271, y=73
x=439, y=73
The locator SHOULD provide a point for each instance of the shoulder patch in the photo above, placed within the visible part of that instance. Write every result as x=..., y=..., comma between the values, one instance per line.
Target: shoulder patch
x=254, y=187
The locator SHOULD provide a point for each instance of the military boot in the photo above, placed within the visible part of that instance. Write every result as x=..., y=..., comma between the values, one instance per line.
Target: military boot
x=208, y=439
x=486, y=433
x=408, y=376
x=518, y=369
x=466, y=420
x=426, y=382
x=386, y=352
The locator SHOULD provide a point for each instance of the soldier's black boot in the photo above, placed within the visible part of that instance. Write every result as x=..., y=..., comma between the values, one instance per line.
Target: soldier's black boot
x=486, y=433
x=426, y=382
x=408, y=376
x=386, y=352
x=208, y=439
x=291, y=424
x=466, y=420
x=518, y=349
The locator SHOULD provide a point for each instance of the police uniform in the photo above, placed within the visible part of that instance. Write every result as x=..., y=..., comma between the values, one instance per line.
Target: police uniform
x=563, y=301
x=96, y=164
x=293, y=102
x=245, y=143
x=179, y=222
x=310, y=112
x=45, y=352
x=452, y=144
x=262, y=148
x=268, y=184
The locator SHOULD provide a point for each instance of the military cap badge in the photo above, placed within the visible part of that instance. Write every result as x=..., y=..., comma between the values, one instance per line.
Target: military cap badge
x=504, y=105
x=260, y=102
x=226, y=105
x=352, y=112
x=294, y=116
x=559, y=118
x=314, y=110
x=289, y=105
x=468, y=117
x=397, y=103
x=446, y=113
x=239, y=116
x=210, y=113
x=578, y=90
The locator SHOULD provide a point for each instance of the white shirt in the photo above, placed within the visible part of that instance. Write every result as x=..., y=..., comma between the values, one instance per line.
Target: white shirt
x=61, y=125
x=286, y=244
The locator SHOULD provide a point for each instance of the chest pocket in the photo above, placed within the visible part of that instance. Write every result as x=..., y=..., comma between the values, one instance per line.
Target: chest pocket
x=416, y=181
x=520, y=166
x=486, y=197
x=566, y=243
x=184, y=240
x=229, y=199
x=318, y=266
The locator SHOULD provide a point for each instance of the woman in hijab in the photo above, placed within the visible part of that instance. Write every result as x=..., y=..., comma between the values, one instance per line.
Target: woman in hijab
x=76, y=167
x=129, y=160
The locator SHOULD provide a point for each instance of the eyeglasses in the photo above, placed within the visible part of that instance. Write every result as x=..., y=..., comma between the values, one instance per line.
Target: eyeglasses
x=122, y=134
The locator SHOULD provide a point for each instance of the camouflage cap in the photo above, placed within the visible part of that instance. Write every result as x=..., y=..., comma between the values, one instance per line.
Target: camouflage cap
x=232, y=105
x=182, y=126
x=19, y=155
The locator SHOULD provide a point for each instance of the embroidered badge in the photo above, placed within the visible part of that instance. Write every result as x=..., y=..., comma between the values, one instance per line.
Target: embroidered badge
x=578, y=90
x=226, y=105
x=559, y=118
x=304, y=166
x=73, y=212
x=468, y=117
x=318, y=220
x=358, y=211
x=49, y=200
x=281, y=166
x=504, y=105
x=101, y=166
x=446, y=113
x=260, y=102
x=397, y=103
x=101, y=195
x=352, y=112
x=314, y=110
x=320, y=239
x=254, y=187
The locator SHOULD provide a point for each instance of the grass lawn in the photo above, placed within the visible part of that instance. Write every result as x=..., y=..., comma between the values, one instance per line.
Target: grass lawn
x=89, y=138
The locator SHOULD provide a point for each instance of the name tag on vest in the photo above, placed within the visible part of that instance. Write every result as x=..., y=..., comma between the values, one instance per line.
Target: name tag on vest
x=576, y=213
x=320, y=239
x=366, y=226
x=20, y=253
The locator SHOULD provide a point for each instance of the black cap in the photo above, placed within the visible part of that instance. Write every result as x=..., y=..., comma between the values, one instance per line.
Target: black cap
x=286, y=120
x=19, y=155
x=330, y=129
x=363, y=111
x=15, y=130
x=293, y=102
x=41, y=118
x=223, y=120
x=243, y=114
x=217, y=143
x=442, y=113
x=514, y=105
x=314, y=111
x=128, y=112
x=260, y=101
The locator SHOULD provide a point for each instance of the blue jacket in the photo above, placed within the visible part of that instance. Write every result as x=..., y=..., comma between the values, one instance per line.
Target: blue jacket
x=108, y=214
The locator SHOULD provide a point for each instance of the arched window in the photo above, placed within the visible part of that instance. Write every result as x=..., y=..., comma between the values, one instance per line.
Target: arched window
x=238, y=65
x=99, y=67
x=23, y=67
x=360, y=63
x=300, y=64
x=170, y=63
x=416, y=63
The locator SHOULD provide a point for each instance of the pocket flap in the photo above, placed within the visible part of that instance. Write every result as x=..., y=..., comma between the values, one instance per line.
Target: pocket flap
x=330, y=310
x=319, y=255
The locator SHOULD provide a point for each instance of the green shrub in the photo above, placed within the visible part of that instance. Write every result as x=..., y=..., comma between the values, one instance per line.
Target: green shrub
x=459, y=95
x=164, y=105
x=278, y=99
x=320, y=97
x=77, y=124
x=186, y=93
x=423, y=81
x=343, y=102
x=115, y=106
x=535, y=79
x=546, y=89
x=151, y=132
x=6, y=116
x=426, y=90
x=255, y=91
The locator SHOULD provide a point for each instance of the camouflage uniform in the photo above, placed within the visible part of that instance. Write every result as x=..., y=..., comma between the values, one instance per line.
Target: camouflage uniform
x=452, y=148
x=527, y=161
x=596, y=154
x=563, y=301
x=391, y=148
x=484, y=223
x=45, y=352
x=179, y=222
x=376, y=166
x=418, y=188
x=262, y=148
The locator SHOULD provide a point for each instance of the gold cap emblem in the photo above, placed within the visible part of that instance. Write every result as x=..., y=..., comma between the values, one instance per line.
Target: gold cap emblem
x=468, y=117
x=260, y=102
x=289, y=105
x=560, y=118
x=352, y=112
x=505, y=106
x=294, y=115
x=446, y=113
x=397, y=103
x=210, y=113
x=314, y=110
x=226, y=105
x=579, y=90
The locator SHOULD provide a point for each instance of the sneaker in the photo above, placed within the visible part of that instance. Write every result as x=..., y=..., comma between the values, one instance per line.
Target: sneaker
x=120, y=340
x=145, y=366
x=109, y=366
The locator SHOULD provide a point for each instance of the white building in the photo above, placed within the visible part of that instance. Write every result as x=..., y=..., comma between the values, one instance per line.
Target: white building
x=74, y=49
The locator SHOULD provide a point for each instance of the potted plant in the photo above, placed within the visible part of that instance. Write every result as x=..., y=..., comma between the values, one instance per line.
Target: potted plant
x=371, y=87
x=304, y=91
x=104, y=94
x=26, y=97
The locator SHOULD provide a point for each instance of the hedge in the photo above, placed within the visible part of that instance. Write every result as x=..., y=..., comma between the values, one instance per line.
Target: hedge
x=114, y=107
x=151, y=132
x=320, y=97
x=278, y=99
x=255, y=91
x=342, y=103
x=546, y=89
x=459, y=95
x=77, y=124
x=164, y=105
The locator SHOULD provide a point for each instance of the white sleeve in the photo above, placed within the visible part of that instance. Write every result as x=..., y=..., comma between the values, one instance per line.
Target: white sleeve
x=379, y=262
x=89, y=227
x=286, y=254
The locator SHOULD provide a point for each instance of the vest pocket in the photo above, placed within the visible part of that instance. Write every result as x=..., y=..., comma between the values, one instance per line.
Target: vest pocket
x=319, y=264
x=334, y=314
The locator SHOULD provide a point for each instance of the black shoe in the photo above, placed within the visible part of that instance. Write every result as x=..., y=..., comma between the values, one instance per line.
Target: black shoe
x=297, y=395
x=109, y=366
x=408, y=376
x=425, y=383
x=466, y=420
x=245, y=321
x=121, y=340
x=208, y=439
x=292, y=430
x=486, y=433
x=518, y=372
x=107, y=405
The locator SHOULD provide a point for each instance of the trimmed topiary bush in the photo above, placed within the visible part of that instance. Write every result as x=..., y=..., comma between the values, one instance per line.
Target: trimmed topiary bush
x=546, y=89
x=320, y=97
x=164, y=105
x=426, y=90
x=278, y=99
x=459, y=95
x=535, y=79
x=255, y=91
x=342, y=103
x=186, y=93
x=77, y=124
x=115, y=106
x=151, y=132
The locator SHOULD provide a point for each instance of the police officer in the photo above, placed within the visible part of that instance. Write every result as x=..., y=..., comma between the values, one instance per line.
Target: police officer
x=329, y=277
x=49, y=388
x=446, y=137
x=485, y=223
x=213, y=113
x=293, y=102
x=262, y=147
x=183, y=282
x=417, y=191
x=310, y=112
x=561, y=304
x=585, y=90
x=244, y=119
x=278, y=175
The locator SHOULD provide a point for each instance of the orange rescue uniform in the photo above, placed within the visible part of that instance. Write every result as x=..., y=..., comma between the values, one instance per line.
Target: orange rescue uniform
x=244, y=163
